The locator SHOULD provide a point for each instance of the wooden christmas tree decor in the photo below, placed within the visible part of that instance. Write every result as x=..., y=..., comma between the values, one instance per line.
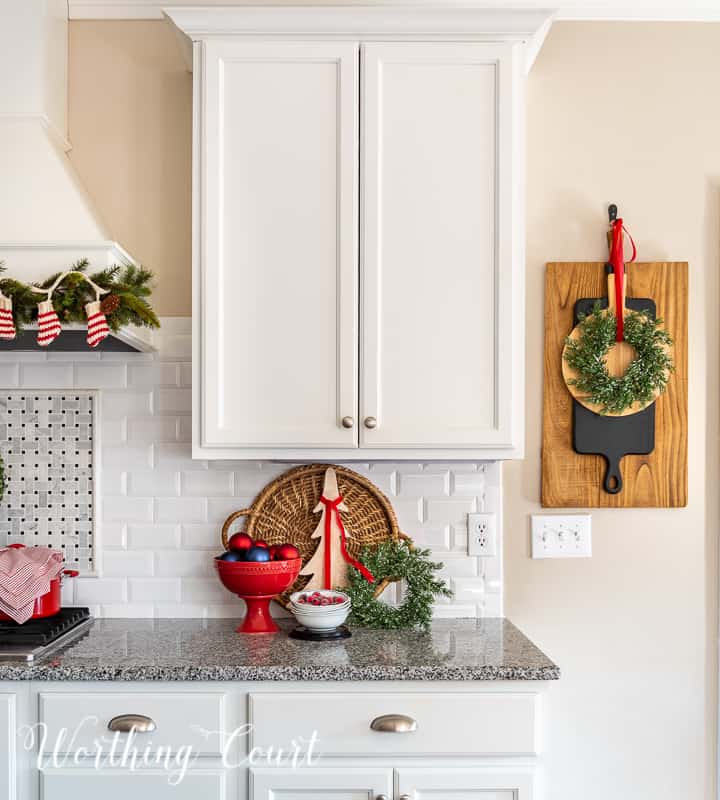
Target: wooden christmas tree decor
x=328, y=566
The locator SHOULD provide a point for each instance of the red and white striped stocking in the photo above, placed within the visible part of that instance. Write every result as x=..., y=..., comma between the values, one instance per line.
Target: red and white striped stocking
x=97, y=324
x=7, y=325
x=48, y=324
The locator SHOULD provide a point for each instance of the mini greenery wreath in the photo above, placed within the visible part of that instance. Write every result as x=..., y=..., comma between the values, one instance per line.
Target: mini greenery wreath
x=395, y=560
x=645, y=378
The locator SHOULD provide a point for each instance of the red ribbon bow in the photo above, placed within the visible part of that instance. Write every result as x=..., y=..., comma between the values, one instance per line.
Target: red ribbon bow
x=331, y=506
x=617, y=261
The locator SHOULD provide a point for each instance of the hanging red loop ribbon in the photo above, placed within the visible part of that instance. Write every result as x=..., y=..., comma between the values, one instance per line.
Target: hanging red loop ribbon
x=617, y=261
x=331, y=507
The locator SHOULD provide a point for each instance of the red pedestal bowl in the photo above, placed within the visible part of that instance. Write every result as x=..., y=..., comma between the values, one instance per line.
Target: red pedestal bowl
x=257, y=584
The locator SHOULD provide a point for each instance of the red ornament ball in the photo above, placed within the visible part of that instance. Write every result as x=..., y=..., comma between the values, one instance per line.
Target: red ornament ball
x=240, y=542
x=286, y=552
x=261, y=543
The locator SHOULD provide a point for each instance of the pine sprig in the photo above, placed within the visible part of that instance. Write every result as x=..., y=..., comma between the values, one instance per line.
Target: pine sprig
x=395, y=560
x=132, y=285
x=645, y=378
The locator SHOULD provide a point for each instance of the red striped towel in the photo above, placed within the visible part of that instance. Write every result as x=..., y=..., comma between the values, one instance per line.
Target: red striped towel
x=25, y=575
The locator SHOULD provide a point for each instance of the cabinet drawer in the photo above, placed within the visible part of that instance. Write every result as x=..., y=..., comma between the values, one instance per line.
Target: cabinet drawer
x=180, y=719
x=490, y=724
x=88, y=784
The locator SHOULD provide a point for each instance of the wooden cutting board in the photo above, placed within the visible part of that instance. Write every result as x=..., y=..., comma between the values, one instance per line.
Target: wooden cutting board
x=656, y=480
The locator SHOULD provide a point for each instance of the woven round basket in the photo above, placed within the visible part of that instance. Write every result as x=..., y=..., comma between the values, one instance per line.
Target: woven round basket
x=283, y=512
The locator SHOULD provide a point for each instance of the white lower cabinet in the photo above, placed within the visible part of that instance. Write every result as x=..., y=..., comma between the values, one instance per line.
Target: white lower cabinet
x=431, y=783
x=270, y=741
x=427, y=783
x=330, y=783
x=90, y=784
x=8, y=746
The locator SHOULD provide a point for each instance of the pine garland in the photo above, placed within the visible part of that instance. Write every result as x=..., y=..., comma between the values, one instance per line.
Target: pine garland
x=398, y=561
x=645, y=378
x=130, y=284
x=2, y=478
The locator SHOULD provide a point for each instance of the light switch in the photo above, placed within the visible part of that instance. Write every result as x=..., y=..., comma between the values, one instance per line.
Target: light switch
x=561, y=536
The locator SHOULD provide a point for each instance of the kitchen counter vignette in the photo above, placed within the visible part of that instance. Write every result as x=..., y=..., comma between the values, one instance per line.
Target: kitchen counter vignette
x=197, y=650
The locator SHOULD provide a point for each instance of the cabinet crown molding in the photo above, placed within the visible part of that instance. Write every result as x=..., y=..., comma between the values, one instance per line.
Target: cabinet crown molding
x=399, y=20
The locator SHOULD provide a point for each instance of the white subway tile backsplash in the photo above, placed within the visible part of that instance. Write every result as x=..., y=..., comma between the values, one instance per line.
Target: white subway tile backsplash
x=153, y=537
x=113, y=536
x=201, y=537
x=9, y=375
x=100, y=374
x=91, y=591
x=424, y=484
x=125, y=404
x=181, y=509
x=127, y=564
x=157, y=590
x=449, y=512
x=46, y=376
x=177, y=456
x=207, y=483
x=152, y=375
x=127, y=456
x=161, y=511
x=153, y=482
x=127, y=509
x=152, y=429
x=183, y=564
x=173, y=401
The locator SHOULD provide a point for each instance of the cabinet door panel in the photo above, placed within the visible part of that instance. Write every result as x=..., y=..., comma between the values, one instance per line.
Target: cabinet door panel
x=439, y=336
x=466, y=784
x=329, y=783
x=8, y=751
x=278, y=244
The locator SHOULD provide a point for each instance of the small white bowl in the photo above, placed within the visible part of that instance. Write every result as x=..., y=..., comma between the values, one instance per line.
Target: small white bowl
x=319, y=621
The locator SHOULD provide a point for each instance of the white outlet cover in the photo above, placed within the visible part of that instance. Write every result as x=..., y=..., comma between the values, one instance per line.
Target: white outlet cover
x=482, y=534
x=561, y=536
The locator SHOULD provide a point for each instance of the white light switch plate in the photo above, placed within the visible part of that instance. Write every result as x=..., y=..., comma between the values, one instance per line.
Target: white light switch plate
x=561, y=536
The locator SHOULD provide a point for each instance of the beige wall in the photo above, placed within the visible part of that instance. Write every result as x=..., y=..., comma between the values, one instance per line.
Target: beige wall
x=130, y=121
x=617, y=112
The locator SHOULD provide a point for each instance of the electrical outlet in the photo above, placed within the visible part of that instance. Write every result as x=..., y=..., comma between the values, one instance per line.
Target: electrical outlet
x=482, y=534
x=561, y=536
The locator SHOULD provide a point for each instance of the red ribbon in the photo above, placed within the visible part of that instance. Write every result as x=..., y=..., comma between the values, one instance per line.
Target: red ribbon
x=617, y=262
x=331, y=506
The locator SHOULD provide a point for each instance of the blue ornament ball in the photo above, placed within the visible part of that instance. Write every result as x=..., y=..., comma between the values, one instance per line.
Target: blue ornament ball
x=230, y=555
x=257, y=554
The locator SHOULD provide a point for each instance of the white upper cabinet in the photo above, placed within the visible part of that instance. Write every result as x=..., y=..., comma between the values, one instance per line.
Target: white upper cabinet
x=358, y=232
x=437, y=271
x=277, y=293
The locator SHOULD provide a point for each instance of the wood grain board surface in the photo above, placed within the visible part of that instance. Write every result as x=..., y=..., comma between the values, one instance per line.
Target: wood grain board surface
x=657, y=480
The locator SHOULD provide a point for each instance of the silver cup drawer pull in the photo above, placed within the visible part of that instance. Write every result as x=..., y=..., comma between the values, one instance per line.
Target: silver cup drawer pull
x=128, y=722
x=394, y=723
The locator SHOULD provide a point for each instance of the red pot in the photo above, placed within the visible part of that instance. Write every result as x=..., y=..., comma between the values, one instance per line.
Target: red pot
x=48, y=604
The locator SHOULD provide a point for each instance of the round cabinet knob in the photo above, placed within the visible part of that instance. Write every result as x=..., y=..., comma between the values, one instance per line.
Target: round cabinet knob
x=370, y=422
x=348, y=422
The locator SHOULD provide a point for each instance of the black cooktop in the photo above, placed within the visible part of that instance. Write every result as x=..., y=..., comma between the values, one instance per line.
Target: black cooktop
x=41, y=632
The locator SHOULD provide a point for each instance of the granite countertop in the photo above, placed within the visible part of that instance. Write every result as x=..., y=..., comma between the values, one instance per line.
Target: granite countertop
x=210, y=650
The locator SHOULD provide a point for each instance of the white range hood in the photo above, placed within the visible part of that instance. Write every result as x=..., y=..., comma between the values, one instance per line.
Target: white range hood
x=47, y=220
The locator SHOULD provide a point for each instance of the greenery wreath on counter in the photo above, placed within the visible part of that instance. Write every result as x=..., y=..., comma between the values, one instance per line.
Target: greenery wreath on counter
x=126, y=303
x=645, y=378
x=395, y=560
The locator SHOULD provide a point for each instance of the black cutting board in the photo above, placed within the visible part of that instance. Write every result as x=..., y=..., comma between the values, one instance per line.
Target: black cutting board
x=613, y=437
